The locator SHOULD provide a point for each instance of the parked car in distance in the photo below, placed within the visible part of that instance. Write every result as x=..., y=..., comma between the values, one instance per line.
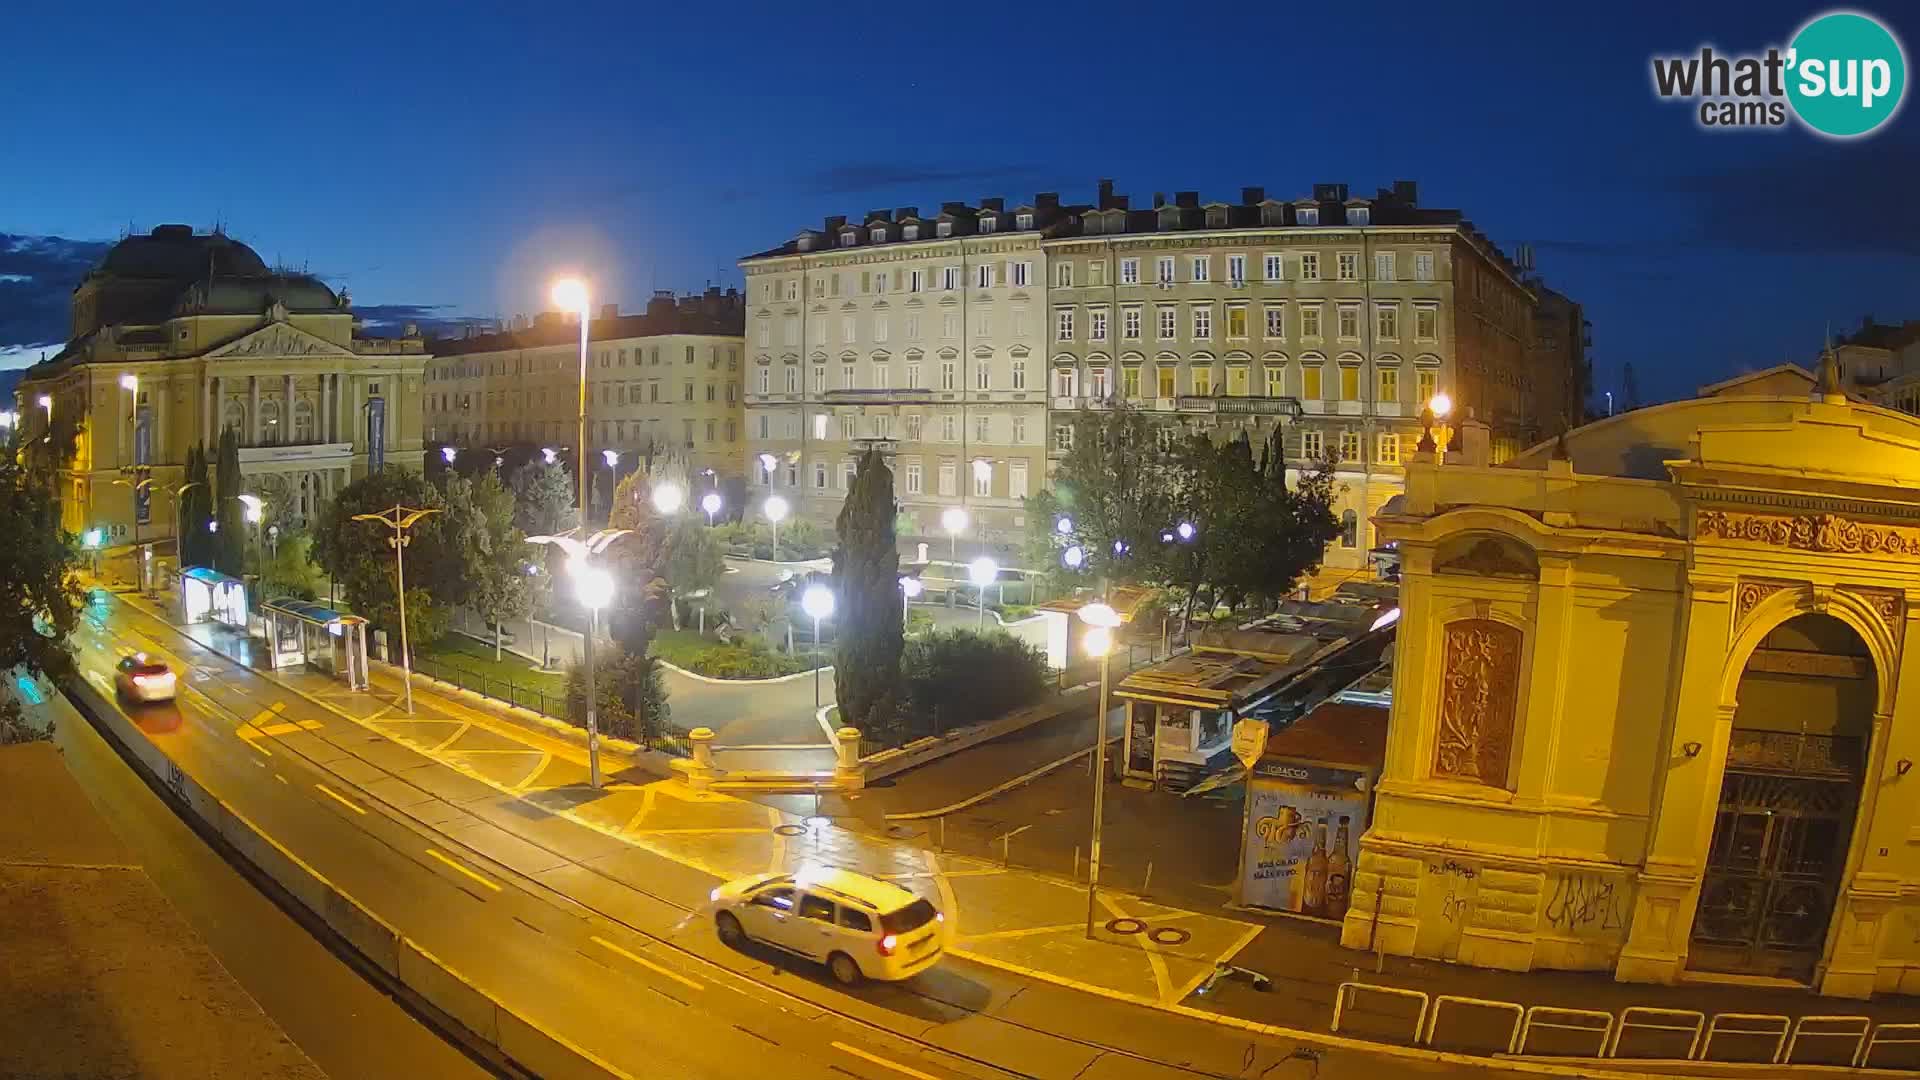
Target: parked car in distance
x=860, y=927
x=138, y=677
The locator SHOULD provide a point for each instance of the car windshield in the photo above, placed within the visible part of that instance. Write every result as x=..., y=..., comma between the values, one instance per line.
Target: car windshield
x=912, y=917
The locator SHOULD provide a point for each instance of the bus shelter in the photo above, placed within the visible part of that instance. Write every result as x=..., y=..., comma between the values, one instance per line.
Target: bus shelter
x=300, y=632
x=210, y=596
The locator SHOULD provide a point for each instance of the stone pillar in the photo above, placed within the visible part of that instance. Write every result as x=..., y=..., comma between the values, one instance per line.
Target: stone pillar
x=210, y=410
x=847, y=772
x=326, y=407
x=253, y=410
x=700, y=772
x=287, y=435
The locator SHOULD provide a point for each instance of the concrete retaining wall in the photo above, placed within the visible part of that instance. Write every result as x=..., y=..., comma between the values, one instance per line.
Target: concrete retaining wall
x=490, y=1022
x=920, y=751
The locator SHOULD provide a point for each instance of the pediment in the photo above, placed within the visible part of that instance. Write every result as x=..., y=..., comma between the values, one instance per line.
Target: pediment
x=277, y=339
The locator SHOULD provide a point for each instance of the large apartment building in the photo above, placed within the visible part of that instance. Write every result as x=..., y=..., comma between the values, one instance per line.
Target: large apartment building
x=971, y=340
x=667, y=380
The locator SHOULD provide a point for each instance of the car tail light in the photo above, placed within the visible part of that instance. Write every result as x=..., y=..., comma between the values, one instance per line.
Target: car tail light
x=887, y=944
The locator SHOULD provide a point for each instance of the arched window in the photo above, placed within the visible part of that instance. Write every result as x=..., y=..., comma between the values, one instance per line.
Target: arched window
x=1349, y=529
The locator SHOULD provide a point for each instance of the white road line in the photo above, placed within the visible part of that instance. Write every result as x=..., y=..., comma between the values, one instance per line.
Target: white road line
x=341, y=799
x=487, y=881
x=648, y=964
x=880, y=1061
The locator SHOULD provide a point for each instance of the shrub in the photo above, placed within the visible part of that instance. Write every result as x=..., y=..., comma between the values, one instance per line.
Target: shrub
x=632, y=700
x=953, y=678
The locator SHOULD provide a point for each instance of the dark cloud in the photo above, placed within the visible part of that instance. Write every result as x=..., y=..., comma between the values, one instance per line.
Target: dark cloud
x=37, y=276
x=433, y=320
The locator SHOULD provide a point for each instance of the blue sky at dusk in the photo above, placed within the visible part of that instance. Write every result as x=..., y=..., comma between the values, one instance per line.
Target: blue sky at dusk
x=453, y=157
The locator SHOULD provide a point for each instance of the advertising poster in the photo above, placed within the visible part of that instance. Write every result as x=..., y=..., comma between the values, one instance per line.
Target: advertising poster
x=142, y=454
x=376, y=434
x=1301, y=841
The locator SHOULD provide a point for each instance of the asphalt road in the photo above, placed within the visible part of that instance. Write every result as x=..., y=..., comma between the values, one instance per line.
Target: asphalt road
x=604, y=942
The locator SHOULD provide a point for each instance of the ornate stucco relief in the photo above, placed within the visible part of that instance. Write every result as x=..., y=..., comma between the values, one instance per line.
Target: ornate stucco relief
x=1479, y=684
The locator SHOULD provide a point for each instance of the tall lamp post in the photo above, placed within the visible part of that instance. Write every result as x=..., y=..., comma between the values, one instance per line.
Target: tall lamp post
x=817, y=602
x=399, y=519
x=710, y=502
x=594, y=589
x=910, y=587
x=954, y=520
x=775, y=508
x=1102, y=619
x=254, y=513
x=133, y=478
x=570, y=294
x=982, y=572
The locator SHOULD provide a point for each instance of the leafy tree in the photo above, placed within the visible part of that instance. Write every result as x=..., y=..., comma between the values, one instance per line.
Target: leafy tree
x=229, y=542
x=866, y=578
x=663, y=560
x=631, y=696
x=543, y=499
x=356, y=553
x=1117, y=488
x=952, y=678
x=492, y=552
x=289, y=569
x=39, y=598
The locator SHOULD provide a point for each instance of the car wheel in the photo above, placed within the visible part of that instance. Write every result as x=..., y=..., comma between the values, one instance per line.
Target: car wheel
x=845, y=971
x=729, y=928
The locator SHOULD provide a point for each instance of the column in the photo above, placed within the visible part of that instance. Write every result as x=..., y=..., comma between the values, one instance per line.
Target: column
x=326, y=407
x=209, y=412
x=287, y=435
x=253, y=413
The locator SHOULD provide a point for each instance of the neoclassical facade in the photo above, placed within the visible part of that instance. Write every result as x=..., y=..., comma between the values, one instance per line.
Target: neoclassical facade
x=179, y=335
x=1653, y=711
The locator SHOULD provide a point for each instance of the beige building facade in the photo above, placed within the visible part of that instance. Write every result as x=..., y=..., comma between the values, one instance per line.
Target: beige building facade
x=179, y=335
x=667, y=381
x=1651, y=699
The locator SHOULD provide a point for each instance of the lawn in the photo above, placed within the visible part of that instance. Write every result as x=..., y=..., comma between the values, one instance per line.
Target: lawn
x=470, y=656
x=707, y=656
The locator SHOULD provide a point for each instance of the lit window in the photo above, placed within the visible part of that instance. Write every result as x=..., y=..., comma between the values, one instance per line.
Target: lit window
x=1203, y=381
x=1274, y=374
x=1237, y=322
x=1310, y=382
x=1389, y=384
x=1311, y=446
x=1349, y=446
x=1388, y=449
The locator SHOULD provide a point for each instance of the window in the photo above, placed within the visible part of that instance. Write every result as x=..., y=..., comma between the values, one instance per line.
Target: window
x=913, y=427
x=819, y=378
x=1019, y=322
x=778, y=899
x=1237, y=269
x=1164, y=273
x=712, y=392
x=983, y=478
x=1349, y=266
x=1310, y=446
x=949, y=277
x=1276, y=322
x=1130, y=324
x=855, y=920
x=1202, y=268
x=1426, y=383
x=1383, y=266
x=1386, y=322
x=1350, y=382
x=1310, y=382
x=731, y=432
x=880, y=281
x=1066, y=382
x=766, y=379
x=1359, y=215
x=944, y=228
x=1063, y=437
x=1349, y=529
x=949, y=327
x=1129, y=271
x=792, y=288
x=1099, y=385
x=1349, y=322
x=948, y=486
x=1387, y=448
x=1203, y=324
x=916, y=481
x=1021, y=272
x=793, y=382
x=982, y=375
x=1019, y=429
x=947, y=376
x=1423, y=266
x=1274, y=376
x=916, y=280
x=763, y=425
x=1236, y=380
x=1426, y=323
x=1310, y=266
x=1164, y=377
x=879, y=376
x=949, y=428
x=879, y=328
x=1307, y=215
x=1310, y=321
x=1389, y=384
x=913, y=376
x=1023, y=221
x=1202, y=381
x=1097, y=324
x=1130, y=382
x=820, y=475
x=1063, y=274
x=1237, y=322
x=1063, y=324
x=730, y=398
x=983, y=276
x=846, y=330
x=846, y=475
x=1019, y=374
x=686, y=391
x=820, y=425
x=1017, y=480
x=989, y=224
x=1272, y=269
x=913, y=328
x=846, y=377
x=1169, y=323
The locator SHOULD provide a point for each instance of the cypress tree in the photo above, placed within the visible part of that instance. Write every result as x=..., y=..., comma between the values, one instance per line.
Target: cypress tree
x=867, y=611
x=191, y=511
x=230, y=542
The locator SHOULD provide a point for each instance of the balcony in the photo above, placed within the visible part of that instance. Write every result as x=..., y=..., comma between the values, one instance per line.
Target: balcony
x=901, y=396
x=1241, y=406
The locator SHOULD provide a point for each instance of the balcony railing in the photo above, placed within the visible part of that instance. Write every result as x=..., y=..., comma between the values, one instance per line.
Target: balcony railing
x=1241, y=406
x=890, y=396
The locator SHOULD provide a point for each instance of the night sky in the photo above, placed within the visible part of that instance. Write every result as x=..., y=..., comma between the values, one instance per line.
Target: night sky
x=443, y=162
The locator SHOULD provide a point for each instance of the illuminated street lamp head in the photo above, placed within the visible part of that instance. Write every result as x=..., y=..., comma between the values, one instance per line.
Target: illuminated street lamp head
x=570, y=294
x=253, y=504
x=817, y=601
x=1099, y=641
x=1064, y=526
x=93, y=537
x=129, y=382
x=667, y=498
x=1074, y=557
x=982, y=469
x=775, y=508
x=46, y=402
x=710, y=502
x=767, y=462
x=954, y=520
x=911, y=586
x=1099, y=614
x=592, y=585
x=449, y=453
x=1441, y=405
x=547, y=453
x=612, y=457
x=982, y=571
x=1184, y=530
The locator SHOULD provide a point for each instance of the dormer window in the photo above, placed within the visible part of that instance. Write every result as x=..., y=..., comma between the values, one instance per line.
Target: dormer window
x=910, y=232
x=1307, y=215
x=878, y=233
x=1217, y=217
x=1272, y=215
x=944, y=228
x=1359, y=215
x=849, y=238
x=988, y=224
x=805, y=243
x=1024, y=221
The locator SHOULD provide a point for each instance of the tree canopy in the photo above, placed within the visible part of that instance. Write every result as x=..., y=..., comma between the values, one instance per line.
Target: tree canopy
x=356, y=553
x=39, y=598
x=492, y=552
x=543, y=499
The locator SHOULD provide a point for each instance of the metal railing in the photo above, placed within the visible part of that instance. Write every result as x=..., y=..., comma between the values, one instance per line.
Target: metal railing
x=531, y=698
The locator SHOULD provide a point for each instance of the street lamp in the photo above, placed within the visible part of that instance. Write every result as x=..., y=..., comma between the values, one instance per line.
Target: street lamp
x=910, y=587
x=399, y=519
x=1064, y=526
x=982, y=572
x=547, y=454
x=1184, y=531
x=1074, y=557
x=592, y=585
x=448, y=453
x=253, y=514
x=570, y=294
x=1102, y=619
x=767, y=462
x=817, y=602
x=667, y=498
x=775, y=508
x=710, y=502
x=954, y=520
x=132, y=479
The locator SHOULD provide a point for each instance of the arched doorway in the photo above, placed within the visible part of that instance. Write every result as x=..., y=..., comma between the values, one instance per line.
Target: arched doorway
x=1788, y=800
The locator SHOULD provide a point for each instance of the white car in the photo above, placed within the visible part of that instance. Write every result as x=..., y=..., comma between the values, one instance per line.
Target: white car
x=139, y=678
x=860, y=927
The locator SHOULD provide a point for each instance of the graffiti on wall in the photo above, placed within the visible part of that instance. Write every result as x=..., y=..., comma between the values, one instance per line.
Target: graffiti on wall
x=1585, y=903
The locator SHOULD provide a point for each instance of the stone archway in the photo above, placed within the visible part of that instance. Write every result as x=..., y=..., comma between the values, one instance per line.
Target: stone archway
x=1788, y=801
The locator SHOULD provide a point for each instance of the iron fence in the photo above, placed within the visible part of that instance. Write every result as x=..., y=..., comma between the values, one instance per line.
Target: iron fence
x=531, y=698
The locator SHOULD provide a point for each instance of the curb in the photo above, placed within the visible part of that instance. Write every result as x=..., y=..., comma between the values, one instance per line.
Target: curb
x=678, y=670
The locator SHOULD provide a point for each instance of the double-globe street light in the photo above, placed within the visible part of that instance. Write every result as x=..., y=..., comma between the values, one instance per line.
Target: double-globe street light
x=593, y=587
x=399, y=519
x=1102, y=619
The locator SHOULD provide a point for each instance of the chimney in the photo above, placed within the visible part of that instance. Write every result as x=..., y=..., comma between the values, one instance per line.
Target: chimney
x=906, y=212
x=661, y=303
x=1252, y=196
x=992, y=204
x=1407, y=191
x=953, y=208
x=1159, y=199
x=1119, y=202
x=878, y=215
x=1106, y=194
x=835, y=223
x=1186, y=200
x=1047, y=200
x=609, y=311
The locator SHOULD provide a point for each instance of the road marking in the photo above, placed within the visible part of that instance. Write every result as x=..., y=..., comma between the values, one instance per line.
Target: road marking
x=488, y=882
x=341, y=799
x=546, y=759
x=449, y=740
x=882, y=1062
x=283, y=779
x=1154, y=960
x=646, y=807
x=648, y=964
x=1024, y=932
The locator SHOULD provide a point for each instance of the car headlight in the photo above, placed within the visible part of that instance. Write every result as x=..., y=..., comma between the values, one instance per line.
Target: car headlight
x=714, y=896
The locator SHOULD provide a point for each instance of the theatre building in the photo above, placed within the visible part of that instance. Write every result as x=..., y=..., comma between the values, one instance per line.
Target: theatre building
x=1652, y=707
